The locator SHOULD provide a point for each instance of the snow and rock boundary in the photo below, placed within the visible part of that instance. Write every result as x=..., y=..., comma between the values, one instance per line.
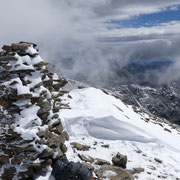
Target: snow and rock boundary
x=31, y=131
x=107, y=125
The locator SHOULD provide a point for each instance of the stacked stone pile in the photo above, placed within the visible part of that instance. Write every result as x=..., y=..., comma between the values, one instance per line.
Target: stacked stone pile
x=31, y=132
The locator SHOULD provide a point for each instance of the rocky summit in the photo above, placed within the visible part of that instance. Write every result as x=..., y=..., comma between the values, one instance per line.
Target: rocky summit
x=31, y=131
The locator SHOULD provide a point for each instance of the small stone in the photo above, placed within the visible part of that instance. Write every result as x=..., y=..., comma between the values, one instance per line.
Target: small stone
x=19, y=46
x=56, y=123
x=8, y=58
x=152, y=168
x=31, y=164
x=46, y=153
x=158, y=160
x=44, y=117
x=138, y=170
x=105, y=145
x=45, y=107
x=46, y=163
x=37, y=99
x=85, y=158
x=81, y=87
x=69, y=96
x=139, y=151
x=4, y=159
x=65, y=134
x=6, y=48
x=64, y=148
x=59, y=154
x=80, y=147
x=88, y=165
x=7, y=67
x=101, y=162
x=55, y=116
x=4, y=103
x=167, y=130
x=120, y=160
x=16, y=160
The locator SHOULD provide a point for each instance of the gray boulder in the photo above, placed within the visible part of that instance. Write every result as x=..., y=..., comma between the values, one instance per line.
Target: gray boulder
x=120, y=160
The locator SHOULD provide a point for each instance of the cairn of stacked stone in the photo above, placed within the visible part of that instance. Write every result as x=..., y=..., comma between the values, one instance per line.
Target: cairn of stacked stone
x=31, y=132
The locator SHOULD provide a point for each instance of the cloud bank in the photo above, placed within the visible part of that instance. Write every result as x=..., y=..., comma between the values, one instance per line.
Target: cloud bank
x=82, y=37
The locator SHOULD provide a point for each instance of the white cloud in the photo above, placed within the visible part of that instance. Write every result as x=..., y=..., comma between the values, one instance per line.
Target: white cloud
x=71, y=29
x=166, y=31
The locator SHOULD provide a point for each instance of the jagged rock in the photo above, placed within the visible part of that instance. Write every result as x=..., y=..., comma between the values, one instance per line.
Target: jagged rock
x=101, y=162
x=116, y=173
x=120, y=160
x=80, y=147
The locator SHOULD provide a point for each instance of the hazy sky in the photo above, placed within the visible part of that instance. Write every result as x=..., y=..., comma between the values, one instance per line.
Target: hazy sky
x=84, y=36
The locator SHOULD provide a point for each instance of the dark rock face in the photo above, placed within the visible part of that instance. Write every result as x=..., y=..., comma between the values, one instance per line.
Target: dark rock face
x=161, y=101
x=31, y=133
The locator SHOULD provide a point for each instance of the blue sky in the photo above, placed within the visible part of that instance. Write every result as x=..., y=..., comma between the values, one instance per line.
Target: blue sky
x=149, y=20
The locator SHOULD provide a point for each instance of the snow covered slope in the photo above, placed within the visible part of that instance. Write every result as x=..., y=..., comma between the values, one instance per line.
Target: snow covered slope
x=96, y=118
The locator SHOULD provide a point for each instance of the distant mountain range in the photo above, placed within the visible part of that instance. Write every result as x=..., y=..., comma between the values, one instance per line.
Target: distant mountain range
x=137, y=83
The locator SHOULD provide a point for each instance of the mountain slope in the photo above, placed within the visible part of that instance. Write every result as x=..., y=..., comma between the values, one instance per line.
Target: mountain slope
x=36, y=106
x=96, y=118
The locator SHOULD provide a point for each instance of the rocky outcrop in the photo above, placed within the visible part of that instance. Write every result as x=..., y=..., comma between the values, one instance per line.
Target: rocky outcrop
x=31, y=131
x=161, y=101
